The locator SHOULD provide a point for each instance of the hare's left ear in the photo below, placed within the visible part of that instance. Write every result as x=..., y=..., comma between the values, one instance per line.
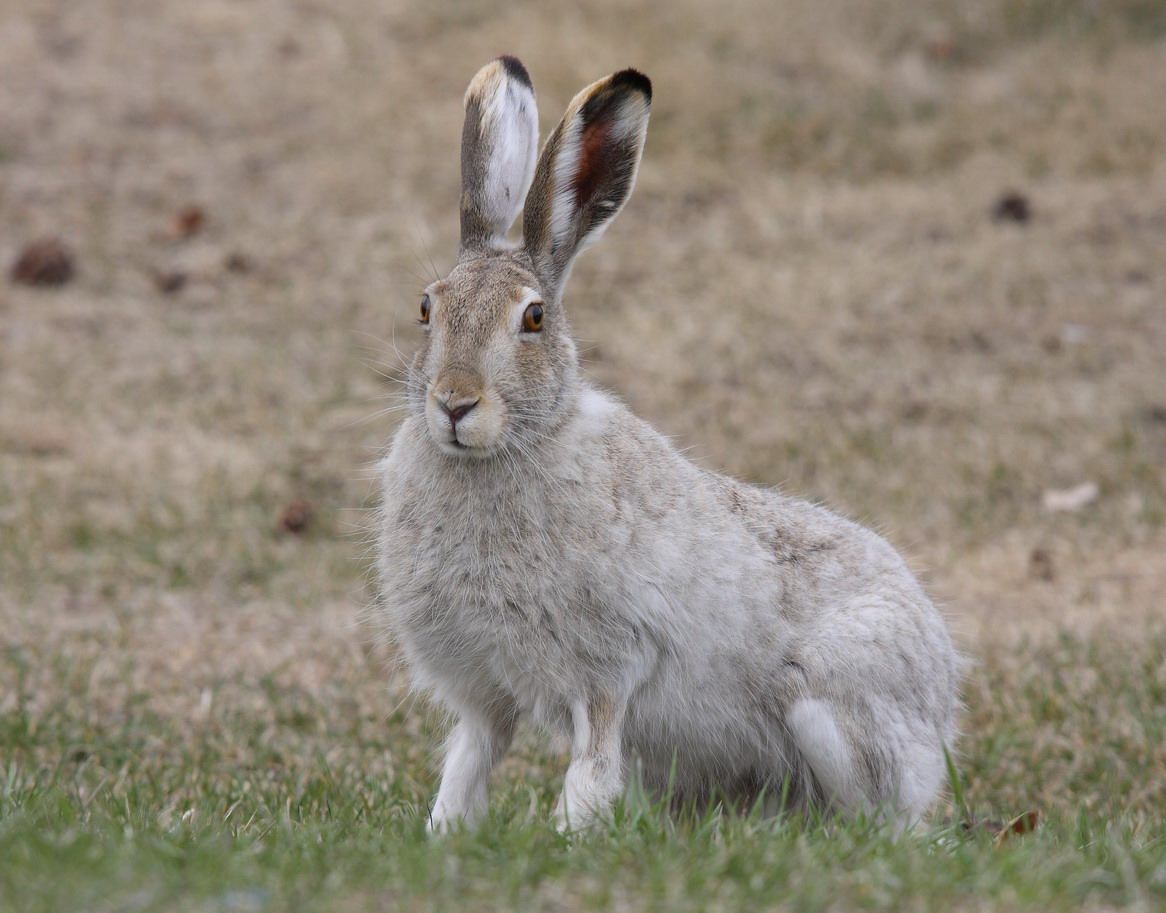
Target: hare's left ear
x=586, y=172
x=499, y=145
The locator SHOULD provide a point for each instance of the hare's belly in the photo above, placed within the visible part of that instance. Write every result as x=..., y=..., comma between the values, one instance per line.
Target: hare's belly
x=717, y=729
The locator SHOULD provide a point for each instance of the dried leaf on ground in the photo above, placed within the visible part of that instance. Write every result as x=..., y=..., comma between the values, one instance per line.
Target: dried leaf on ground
x=187, y=222
x=1018, y=826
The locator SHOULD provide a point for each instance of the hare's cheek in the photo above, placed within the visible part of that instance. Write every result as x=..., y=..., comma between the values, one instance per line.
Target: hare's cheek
x=534, y=371
x=438, y=424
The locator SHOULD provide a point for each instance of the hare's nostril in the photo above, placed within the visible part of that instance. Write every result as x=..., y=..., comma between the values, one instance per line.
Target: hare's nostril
x=457, y=413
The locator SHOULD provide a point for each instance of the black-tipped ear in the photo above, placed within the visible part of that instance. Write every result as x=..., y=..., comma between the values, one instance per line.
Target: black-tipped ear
x=586, y=171
x=499, y=145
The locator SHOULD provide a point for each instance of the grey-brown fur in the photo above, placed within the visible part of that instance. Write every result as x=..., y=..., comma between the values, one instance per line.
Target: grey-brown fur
x=544, y=553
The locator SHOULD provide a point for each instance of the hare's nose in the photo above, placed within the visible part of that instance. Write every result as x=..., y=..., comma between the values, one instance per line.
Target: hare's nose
x=456, y=413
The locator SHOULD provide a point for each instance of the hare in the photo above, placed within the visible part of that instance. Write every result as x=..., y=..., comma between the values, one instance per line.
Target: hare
x=544, y=553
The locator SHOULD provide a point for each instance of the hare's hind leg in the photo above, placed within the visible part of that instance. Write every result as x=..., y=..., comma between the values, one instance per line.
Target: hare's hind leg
x=821, y=742
x=880, y=770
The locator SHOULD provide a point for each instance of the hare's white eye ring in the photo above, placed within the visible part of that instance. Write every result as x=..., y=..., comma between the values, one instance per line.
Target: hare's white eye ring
x=532, y=317
x=425, y=309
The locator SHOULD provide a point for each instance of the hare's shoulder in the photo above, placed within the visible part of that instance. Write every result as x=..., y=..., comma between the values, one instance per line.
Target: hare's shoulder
x=641, y=457
x=792, y=530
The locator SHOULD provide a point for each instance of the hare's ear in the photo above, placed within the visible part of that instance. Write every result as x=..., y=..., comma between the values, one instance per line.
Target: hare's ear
x=499, y=145
x=586, y=171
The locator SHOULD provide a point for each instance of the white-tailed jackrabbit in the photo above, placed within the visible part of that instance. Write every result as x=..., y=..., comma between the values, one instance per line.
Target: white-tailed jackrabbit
x=543, y=552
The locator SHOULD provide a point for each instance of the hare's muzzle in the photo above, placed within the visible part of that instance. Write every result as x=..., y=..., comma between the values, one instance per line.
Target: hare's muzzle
x=463, y=417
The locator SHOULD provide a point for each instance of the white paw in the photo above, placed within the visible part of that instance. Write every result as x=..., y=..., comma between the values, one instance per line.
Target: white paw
x=573, y=817
x=442, y=822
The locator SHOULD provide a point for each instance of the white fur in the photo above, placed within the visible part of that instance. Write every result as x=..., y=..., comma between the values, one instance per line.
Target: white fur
x=566, y=164
x=474, y=748
x=512, y=116
x=817, y=737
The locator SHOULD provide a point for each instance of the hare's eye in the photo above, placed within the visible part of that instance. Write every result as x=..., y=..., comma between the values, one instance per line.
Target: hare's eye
x=532, y=318
x=425, y=309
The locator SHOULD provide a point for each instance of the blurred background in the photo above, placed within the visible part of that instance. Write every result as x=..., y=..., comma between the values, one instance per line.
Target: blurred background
x=903, y=258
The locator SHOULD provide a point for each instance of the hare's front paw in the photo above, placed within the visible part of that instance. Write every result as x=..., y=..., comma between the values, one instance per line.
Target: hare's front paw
x=586, y=800
x=572, y=818
x=449, y=816
x=439, y=825
x=595, y=777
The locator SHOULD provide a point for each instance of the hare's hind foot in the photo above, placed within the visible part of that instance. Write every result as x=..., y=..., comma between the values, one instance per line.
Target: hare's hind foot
x=887, y=775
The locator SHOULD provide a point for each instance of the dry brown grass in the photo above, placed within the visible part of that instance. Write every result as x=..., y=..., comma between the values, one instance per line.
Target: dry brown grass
x=807, y=288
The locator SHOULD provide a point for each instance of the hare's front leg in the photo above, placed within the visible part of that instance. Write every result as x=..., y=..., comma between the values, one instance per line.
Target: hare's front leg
x=476, y=744
x=595, y=777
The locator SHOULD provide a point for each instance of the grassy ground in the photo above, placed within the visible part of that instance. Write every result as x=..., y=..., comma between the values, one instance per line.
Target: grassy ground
x=808, y=288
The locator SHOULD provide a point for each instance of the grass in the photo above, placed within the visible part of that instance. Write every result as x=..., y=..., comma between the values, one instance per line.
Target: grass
x=508, y=865
x=278, y=800
x=807, y=289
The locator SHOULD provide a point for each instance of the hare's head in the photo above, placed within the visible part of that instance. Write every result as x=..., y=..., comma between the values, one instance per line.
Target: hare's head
x=497, y=368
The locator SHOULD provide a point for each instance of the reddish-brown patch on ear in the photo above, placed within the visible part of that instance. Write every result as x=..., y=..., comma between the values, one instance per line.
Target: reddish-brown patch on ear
x=591, y=159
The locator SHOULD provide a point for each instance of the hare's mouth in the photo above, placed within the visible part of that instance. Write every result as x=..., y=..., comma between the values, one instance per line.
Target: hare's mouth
x=456, y=448
x=451, y=443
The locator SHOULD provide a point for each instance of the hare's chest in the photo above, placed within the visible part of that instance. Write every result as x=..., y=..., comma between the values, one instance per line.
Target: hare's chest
x=475, y=587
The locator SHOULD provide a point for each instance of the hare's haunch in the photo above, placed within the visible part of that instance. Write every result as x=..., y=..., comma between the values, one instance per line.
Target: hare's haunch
x=545, y=553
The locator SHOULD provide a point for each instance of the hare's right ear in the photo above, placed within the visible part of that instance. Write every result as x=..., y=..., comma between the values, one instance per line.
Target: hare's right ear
x=499, y=146
x=586, y=172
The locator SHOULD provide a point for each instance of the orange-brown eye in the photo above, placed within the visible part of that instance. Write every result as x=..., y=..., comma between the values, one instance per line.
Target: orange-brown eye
x=425, y=309
x=532, y=318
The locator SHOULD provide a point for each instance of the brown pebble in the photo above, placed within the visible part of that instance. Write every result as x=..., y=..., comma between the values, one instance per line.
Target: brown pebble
x=979, y=341
x=914, y=411
x=1155, y=414
x=170, y=281
x=236, y=262
x=1012, y=207
x=297, y=516
x=1040, y=565
x=47, y=261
